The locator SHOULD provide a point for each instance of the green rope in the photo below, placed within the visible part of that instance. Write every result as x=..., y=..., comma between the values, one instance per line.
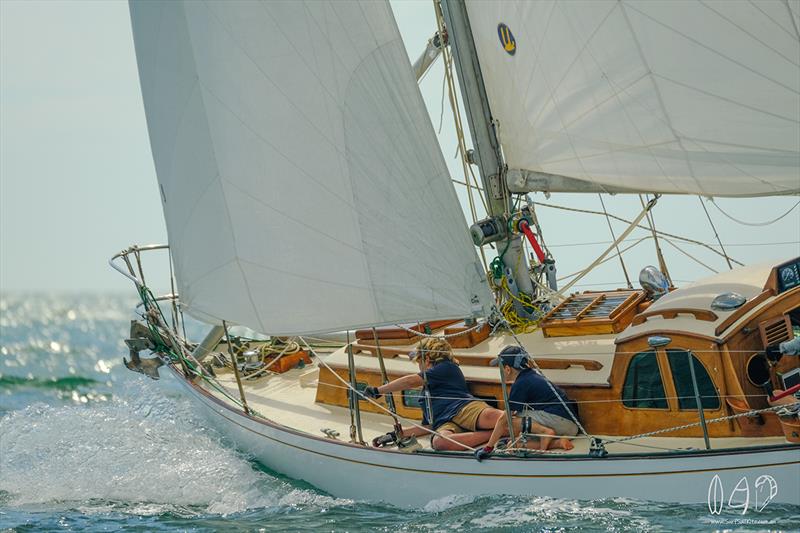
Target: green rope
x=162, y=346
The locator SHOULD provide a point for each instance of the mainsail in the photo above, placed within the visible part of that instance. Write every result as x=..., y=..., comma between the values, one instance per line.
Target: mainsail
x=683, y=97
x=302, y=183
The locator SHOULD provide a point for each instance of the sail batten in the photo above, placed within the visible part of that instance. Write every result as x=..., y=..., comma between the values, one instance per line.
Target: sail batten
x=304, y=190
x=644, y=96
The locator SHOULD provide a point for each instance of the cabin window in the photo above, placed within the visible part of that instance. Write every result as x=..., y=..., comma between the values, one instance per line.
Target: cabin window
x=411, y=398
x=682, y=376
x=643, y=387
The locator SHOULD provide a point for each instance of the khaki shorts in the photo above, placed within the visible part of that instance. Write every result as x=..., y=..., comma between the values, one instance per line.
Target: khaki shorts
x=562, y=426
x=466, y=419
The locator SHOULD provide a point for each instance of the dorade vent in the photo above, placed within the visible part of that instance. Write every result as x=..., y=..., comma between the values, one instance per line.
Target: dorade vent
x=776, y=330
x=592, y=313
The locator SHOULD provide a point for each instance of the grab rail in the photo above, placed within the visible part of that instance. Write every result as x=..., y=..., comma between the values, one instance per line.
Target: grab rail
x=121, y=262
x=134, y=249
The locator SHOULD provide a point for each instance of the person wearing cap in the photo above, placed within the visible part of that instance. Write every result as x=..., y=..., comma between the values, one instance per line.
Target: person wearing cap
x=540, y=406
x=465, y=421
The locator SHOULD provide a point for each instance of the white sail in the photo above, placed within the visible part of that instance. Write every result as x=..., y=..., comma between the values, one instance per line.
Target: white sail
x=694, y=97
x=301, y=180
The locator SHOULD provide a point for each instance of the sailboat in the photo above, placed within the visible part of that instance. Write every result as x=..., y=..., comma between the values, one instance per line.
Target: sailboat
x=305, y=195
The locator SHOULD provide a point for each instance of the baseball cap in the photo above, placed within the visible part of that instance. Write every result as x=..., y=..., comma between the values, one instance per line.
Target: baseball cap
x=514, y=356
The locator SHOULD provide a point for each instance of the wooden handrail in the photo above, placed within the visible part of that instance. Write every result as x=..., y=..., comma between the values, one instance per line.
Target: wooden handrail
x=484, y=360
x=699, y=314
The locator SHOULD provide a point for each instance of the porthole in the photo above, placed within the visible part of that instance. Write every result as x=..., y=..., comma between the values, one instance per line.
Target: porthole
x=758, y=370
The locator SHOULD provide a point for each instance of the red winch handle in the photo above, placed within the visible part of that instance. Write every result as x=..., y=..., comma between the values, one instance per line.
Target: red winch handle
x=526, y=229
x=787, y=392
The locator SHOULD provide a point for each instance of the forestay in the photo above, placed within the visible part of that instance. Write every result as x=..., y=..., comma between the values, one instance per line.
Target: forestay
x=302, y=184
x=645, y=95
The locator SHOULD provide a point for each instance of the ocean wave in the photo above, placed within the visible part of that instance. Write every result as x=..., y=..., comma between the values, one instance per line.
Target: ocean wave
x=140, y=451
x=66, y=383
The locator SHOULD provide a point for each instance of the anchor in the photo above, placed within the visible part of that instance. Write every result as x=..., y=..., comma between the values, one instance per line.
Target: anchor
x=140, y=340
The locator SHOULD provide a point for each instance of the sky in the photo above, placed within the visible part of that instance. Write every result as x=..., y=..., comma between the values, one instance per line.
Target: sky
x=77, y=182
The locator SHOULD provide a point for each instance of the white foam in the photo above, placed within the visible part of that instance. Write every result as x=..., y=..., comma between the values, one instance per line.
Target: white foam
x=448, y=502
x=548, y=510
x=142, y=449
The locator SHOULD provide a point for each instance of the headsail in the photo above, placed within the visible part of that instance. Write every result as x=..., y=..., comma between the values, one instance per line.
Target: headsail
x=302, y=183
x=644, y=95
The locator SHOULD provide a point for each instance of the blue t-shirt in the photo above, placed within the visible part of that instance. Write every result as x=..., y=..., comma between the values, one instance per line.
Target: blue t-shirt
x=531, y=389
x=448, y=390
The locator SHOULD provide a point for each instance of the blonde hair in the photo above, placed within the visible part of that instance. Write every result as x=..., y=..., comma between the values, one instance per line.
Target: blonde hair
x=435, y=349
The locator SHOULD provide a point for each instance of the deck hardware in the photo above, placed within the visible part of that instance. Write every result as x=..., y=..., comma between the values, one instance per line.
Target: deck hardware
x=330, y=433
x=597, y=448
x=409, y=445
x=728, y=301
x=653, y=281
x=656, y=341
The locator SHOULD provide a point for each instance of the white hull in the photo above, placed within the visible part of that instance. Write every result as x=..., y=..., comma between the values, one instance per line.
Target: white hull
x=412, y=480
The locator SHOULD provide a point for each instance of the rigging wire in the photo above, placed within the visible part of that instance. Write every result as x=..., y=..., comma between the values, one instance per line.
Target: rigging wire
x=615, y=217
x=602, y=256
x=662, y=264
x=690, y=256
x=754, y=224
x=641, y=240
x=728, y=244
x=716, y=235
x=614, y=238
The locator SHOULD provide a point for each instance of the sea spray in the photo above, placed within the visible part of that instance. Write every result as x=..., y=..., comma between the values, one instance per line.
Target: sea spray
x=141, y=447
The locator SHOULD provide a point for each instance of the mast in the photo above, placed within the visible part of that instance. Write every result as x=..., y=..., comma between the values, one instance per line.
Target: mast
x=487, y=155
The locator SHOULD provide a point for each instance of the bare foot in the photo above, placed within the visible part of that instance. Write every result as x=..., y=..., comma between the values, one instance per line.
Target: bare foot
x=563, y=444
x=544, y=442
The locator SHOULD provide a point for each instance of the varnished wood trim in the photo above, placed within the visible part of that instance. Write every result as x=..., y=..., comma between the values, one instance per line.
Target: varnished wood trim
x=793, y=295
x=632, y=301
x=484, y=360
x=667, y=333
x=699, y=314
x=589, y=307
x=400, y=333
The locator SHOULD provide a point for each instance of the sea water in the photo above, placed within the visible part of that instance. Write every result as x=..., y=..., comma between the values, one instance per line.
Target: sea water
x=86, y=445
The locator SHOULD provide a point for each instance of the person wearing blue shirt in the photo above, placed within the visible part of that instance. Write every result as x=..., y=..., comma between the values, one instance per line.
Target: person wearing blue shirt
x=460, y=420
x=541, y=407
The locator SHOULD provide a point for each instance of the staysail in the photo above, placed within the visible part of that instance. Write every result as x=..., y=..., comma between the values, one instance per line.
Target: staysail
x=301, y=179
x=690, y=97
